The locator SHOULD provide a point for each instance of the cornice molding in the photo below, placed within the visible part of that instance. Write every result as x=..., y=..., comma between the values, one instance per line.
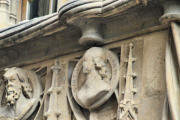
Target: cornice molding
x=75, y=9
x=88, y=15
x=50, y=36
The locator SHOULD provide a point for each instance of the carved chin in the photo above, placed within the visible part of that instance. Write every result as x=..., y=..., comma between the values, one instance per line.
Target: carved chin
x=89, y=94
x=87, y=99
x=12, y=98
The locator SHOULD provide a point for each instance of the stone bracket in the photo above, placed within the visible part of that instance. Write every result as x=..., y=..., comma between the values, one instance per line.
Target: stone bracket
x=88, y=15
x=171, y=11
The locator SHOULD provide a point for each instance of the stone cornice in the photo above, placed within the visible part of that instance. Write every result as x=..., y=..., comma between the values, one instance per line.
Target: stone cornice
x=25, y=30
x=71, y=12
x=89, y=15
x=58, y=34
x=76, y=9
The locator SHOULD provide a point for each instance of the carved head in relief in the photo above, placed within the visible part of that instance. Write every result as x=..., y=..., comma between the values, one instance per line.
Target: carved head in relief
x=20, y=94
x=17, y=83
x=95, y=77
x=95, y=60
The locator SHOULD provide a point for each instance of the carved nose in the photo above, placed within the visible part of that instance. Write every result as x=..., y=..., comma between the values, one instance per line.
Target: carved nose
x=10, y=84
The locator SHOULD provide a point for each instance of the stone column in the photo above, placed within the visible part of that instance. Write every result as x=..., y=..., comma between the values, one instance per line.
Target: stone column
x=4, y=13
x=13, y=12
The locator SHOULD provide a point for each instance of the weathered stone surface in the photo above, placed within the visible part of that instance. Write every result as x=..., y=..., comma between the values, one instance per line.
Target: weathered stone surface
x=122, y=78
x=21, y=94
x=55, y=40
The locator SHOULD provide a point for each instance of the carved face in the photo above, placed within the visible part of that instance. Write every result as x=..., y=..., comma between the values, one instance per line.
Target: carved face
x=17, y=84
x=97, y=78
x=93, y=59
x=87, y=64
x=13, y=89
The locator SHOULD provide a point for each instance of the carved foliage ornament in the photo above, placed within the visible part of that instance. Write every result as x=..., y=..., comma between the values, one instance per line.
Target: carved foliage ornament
x=21, y=95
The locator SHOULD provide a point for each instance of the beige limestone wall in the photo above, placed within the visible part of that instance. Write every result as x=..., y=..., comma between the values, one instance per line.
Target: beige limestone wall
x=153, y=76
x=8, y=12
x=4, y=13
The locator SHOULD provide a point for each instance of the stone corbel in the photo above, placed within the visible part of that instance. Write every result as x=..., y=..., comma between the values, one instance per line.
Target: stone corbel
x=91, y=32
x=89, y=16
x=171, y=11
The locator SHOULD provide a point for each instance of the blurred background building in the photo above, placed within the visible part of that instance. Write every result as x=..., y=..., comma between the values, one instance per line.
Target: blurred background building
x=15, y=11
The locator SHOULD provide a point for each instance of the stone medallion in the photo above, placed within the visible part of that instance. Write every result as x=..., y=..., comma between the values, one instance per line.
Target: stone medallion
x=21, y=94
x=95, y=78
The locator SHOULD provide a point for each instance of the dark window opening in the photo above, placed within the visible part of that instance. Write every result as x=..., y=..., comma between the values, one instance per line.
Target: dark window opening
x=54, y=6
x=33, y=9
x=38, y=8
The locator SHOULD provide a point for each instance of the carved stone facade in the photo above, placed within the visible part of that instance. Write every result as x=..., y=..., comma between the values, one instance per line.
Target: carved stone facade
x=21, y=94
x=93, y=60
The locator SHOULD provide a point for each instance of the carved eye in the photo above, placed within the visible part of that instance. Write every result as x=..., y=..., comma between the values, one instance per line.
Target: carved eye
x=12, y=79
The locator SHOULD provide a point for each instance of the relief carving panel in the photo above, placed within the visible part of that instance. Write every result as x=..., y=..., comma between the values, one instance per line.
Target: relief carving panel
x=94, y=81
x=21, y=95
x=102, y=83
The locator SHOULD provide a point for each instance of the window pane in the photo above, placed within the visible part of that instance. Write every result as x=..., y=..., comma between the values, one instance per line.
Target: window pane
x=38, y=8
x=34, y=9
x=55, y=6
x=43, y=7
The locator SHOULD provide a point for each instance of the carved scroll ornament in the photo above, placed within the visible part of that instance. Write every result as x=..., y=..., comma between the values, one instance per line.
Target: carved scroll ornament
x=21, y=95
